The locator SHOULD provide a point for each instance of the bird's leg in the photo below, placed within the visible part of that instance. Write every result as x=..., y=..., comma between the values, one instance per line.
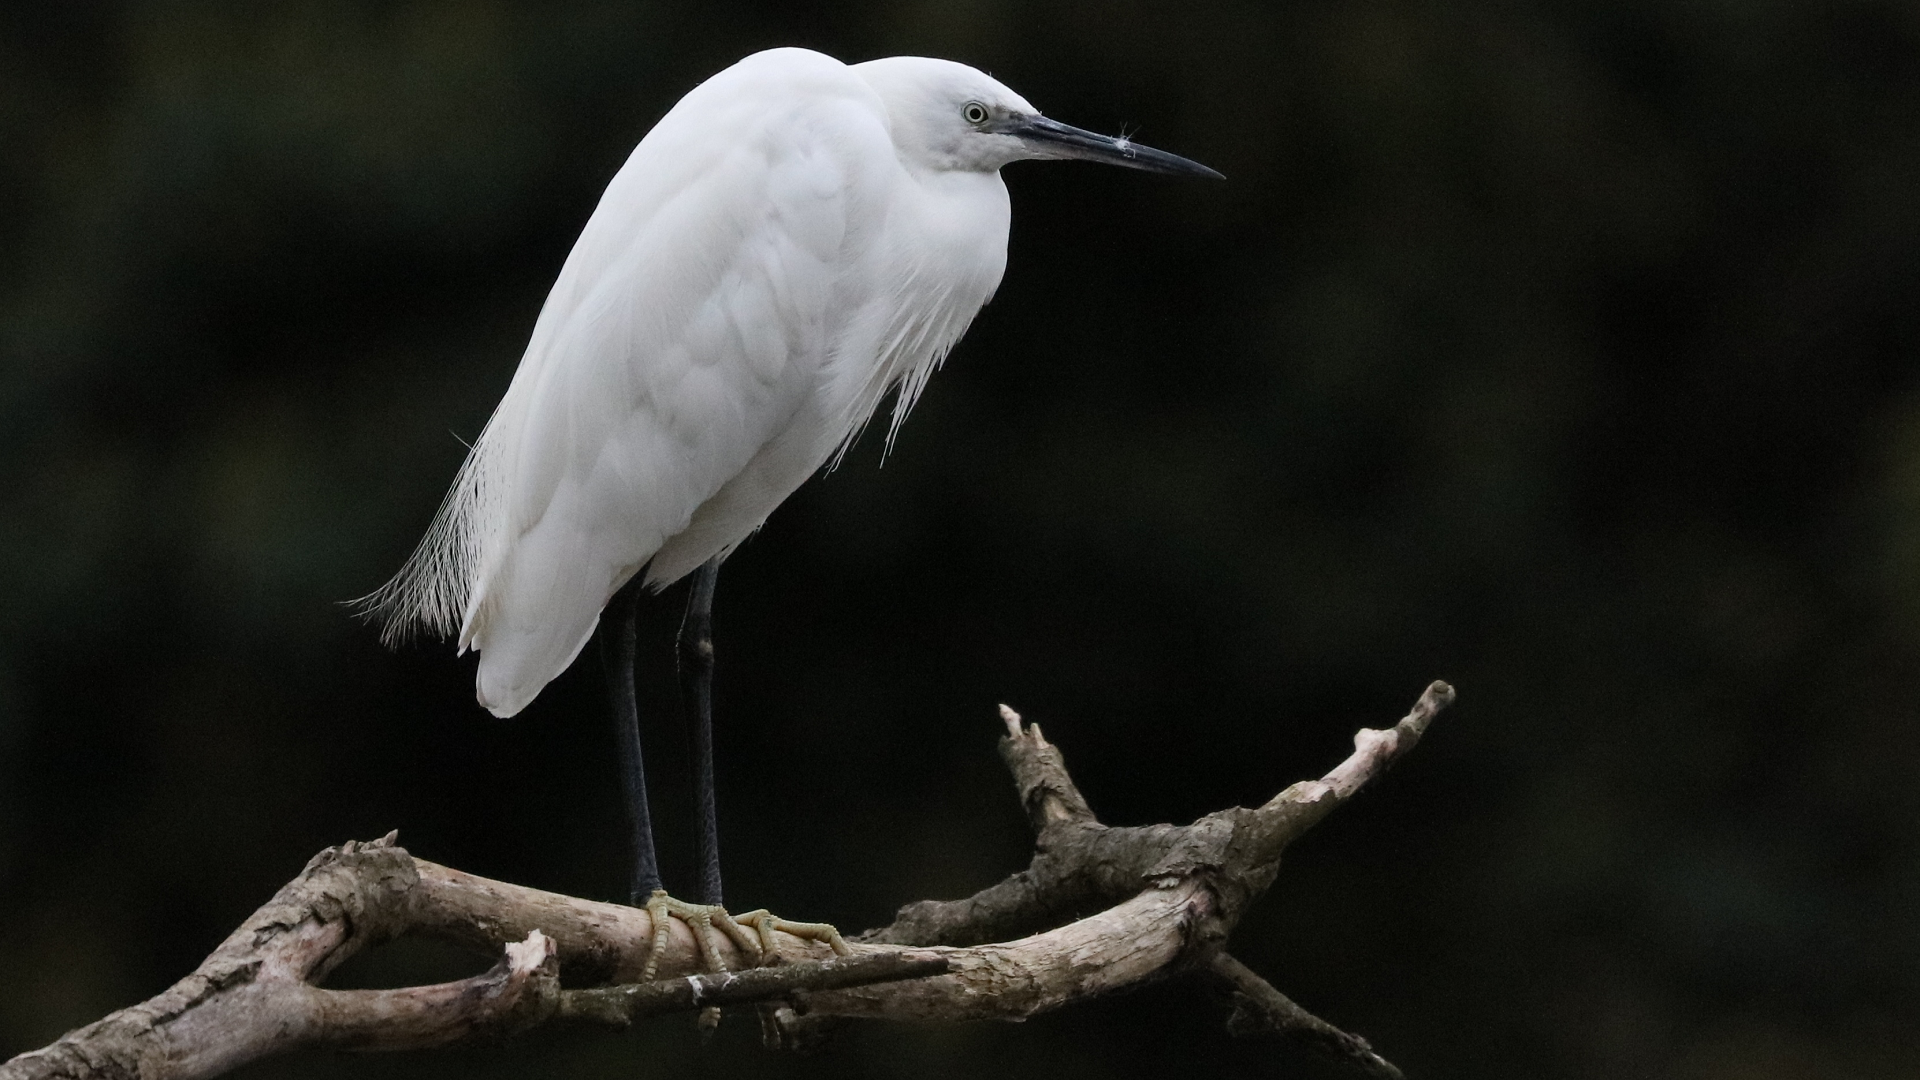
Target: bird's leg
x=708, y=919
x=617, y=656
x=696, y=689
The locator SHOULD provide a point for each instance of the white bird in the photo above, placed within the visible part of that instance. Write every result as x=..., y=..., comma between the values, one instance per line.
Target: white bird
x=795, y=240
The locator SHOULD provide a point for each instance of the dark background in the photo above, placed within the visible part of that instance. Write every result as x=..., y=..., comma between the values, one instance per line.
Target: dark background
x=1561, y=350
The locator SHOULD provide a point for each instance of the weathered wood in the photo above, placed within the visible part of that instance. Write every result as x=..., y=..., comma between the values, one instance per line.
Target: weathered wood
x=619, y=1006
x=1164, y=899
x=1261, y=1011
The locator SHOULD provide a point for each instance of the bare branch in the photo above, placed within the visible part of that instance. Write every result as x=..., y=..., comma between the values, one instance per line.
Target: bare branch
x=1040, y=773
x=619, y=1006
x=1080, y=864
x=519, y=992
x=1260, y=1010
x=1098, y=909
x=251, y=998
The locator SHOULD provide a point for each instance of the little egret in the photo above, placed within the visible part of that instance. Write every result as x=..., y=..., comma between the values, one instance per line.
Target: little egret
x=793, y=241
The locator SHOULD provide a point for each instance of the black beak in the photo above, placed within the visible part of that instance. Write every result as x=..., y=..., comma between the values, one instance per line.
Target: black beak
x=1053, y=139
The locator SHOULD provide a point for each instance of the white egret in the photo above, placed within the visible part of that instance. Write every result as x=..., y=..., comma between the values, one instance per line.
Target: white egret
x=793, y=241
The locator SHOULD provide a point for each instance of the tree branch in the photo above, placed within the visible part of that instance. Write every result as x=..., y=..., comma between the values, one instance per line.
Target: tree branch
x=620, y=1006
x=1100, y=909
x=1260, y=1010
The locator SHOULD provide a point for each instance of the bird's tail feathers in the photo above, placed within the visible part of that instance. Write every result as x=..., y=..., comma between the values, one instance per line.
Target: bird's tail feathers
x=432, y=589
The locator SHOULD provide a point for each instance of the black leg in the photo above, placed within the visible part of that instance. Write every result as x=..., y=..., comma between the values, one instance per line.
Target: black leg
x=696, y=689
x=616, y=655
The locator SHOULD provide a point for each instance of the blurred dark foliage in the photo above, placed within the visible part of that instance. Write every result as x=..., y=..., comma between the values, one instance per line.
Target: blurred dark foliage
x=1565, y=351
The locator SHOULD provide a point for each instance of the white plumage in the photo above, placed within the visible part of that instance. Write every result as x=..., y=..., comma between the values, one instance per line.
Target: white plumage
x=793, y=241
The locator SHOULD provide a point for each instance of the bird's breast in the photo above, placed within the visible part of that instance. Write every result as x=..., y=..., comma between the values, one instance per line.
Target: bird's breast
x=936, y=260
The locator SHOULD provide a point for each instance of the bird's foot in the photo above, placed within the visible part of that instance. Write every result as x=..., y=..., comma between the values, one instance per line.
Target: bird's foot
x=766, y=924
x=710, y=921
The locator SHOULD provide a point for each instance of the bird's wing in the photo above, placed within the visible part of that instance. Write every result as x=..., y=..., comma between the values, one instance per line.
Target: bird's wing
x=685, y=329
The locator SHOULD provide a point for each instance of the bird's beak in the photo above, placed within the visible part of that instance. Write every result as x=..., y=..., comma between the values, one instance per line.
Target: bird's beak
x=1053, y=139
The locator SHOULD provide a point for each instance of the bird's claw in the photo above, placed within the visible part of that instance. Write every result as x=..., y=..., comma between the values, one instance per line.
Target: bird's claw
x=766, y=924
x=709, y=921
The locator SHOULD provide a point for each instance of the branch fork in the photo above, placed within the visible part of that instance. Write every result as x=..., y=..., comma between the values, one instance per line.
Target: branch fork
x=1163, y=901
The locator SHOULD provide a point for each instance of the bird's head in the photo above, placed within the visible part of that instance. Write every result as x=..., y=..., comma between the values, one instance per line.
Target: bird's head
x=949, y=117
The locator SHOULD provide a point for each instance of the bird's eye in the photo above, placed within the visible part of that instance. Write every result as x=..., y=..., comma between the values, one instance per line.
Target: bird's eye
x=974, y=112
